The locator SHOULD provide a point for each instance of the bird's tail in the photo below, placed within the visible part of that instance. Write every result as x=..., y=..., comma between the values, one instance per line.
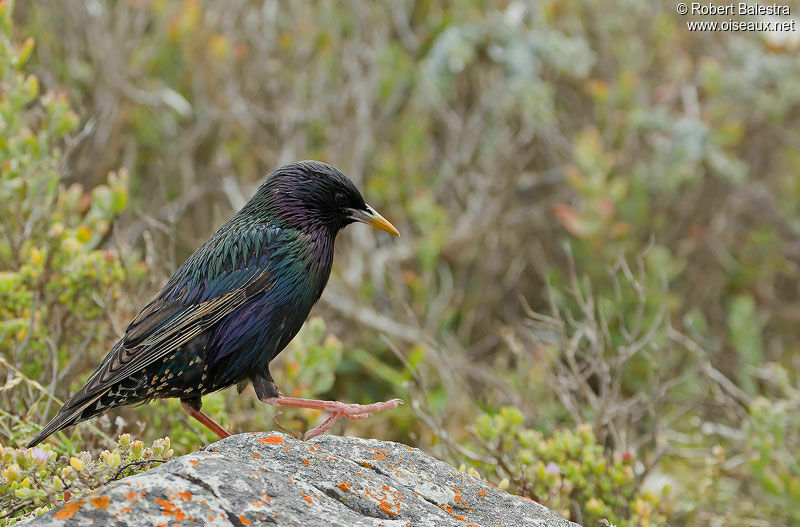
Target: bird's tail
x=80, y=407
x=73, y=412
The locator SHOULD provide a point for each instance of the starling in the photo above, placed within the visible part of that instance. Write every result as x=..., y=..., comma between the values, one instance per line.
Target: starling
x=234, y=304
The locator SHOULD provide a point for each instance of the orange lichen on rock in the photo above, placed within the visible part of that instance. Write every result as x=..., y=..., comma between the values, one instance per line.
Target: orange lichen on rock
x=100, y=502
x=387, y=508
x=457, y=497
x=306, y=461
x=449, y=510
x=271, y=440
x=365, y=464
x=132, y=497
x=384, y=505
x=244, y=521
x=379, y=457
x=482, y=493
x=194, y=462
x=185, y=496
x=170, y=509
x=344, y=486
x=306, y=497
x=69, y=510
x=167, y=506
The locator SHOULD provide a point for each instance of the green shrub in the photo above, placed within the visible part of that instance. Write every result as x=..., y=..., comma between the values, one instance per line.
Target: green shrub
x=567, y=471
x=33, y=480
x=773, y=439
x=755, y=473
x=58, y=288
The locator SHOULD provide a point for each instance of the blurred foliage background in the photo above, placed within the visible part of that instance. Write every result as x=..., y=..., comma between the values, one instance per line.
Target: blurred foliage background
x=594, y=301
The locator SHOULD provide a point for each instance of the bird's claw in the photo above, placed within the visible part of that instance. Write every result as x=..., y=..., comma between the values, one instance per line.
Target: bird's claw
x=336, y=409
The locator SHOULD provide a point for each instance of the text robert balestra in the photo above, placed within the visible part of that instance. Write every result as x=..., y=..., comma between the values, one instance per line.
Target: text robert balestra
x=741, y=8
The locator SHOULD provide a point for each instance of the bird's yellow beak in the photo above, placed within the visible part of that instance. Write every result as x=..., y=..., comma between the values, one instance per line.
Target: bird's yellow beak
x=373, y=219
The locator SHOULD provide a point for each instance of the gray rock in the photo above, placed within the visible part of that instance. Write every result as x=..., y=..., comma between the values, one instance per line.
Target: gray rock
x=271, y=478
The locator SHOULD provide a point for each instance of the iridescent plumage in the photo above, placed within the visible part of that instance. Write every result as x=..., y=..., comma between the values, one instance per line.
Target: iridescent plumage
x=235, y=303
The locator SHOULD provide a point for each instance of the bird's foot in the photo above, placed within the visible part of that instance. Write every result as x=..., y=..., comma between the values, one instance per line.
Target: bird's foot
x=337, y=410
x=205, y=420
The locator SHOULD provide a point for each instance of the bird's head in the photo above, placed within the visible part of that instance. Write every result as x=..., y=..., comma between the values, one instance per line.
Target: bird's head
x=311, y=195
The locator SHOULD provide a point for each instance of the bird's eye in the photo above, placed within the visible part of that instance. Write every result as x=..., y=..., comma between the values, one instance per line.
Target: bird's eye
x=340, y=199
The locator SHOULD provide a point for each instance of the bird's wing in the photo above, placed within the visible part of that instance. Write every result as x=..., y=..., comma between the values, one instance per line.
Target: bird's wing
x=211, y=284
x=234, y=265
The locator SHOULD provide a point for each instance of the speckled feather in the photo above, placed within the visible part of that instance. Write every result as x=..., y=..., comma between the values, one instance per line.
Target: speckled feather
x=232, y=306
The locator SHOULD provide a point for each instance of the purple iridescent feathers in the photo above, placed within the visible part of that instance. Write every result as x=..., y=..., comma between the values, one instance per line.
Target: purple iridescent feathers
x=234, y=304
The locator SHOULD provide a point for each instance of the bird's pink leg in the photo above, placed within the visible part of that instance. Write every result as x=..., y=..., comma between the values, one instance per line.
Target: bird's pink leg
x=337, y=410
x=205, y=420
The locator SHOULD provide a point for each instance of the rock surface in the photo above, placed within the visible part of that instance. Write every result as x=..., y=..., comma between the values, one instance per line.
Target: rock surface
x=274, y=479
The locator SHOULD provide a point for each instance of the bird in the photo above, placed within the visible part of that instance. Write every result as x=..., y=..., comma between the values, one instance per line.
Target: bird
x=234, y=305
